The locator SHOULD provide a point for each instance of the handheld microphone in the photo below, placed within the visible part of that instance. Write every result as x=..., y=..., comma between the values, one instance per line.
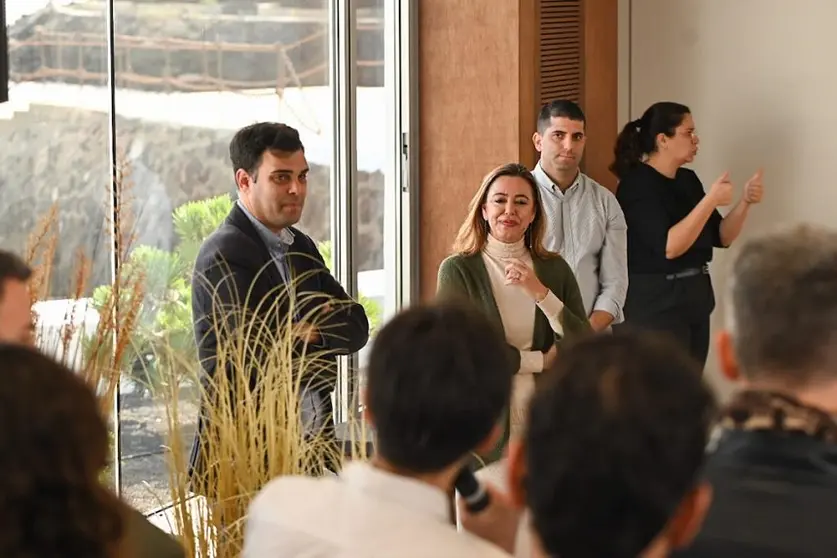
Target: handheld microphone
x=469, y=488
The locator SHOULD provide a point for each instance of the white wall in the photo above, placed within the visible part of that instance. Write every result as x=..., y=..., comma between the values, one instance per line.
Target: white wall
x=761, y=79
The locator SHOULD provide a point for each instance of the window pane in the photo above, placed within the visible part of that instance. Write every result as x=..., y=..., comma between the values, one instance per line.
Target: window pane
x=376, y=232
x=54, y=136
x=187, y=80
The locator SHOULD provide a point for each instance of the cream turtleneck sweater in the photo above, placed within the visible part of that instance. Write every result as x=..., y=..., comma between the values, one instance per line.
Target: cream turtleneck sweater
x=517, y=310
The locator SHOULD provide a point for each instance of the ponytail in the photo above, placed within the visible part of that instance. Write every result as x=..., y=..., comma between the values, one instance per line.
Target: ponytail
x=628, y=151
x=638, y=137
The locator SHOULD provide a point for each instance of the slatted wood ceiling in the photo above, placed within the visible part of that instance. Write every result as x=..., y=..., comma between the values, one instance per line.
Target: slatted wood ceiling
x=560, y=50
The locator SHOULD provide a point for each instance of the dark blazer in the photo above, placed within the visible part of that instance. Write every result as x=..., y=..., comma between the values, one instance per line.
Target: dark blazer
x=236, y=284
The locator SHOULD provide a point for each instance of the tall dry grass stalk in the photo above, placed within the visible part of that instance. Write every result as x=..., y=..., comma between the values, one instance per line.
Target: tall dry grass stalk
x=255, y=421
x=97, y=355
x=254, y=427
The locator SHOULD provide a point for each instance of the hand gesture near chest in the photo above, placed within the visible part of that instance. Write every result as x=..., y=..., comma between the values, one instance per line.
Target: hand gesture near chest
x=521, y=274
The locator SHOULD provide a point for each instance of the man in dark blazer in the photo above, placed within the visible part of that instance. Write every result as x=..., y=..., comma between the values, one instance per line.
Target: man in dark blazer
x=258, y=271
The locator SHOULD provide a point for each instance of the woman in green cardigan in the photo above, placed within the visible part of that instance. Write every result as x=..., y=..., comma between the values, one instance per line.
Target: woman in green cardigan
x=500, y=264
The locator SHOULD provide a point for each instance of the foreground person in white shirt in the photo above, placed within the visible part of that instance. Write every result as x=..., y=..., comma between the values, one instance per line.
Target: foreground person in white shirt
x=438, y=381
x=610, y=462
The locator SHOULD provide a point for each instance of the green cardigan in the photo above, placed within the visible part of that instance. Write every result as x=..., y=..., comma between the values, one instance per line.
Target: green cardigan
x=466, y=277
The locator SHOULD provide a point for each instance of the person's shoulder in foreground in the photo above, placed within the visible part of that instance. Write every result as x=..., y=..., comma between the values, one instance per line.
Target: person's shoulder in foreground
x=148, y=541
x=324, y=518
x=613, y=449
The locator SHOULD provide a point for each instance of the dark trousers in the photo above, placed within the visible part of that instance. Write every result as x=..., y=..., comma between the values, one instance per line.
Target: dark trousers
x=677, y=306
x=318, y=421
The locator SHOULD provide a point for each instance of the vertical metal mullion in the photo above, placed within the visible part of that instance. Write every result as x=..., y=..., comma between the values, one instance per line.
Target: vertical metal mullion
x=343, y=61
x=393, y=179
x=407, y=104
x=116, y=246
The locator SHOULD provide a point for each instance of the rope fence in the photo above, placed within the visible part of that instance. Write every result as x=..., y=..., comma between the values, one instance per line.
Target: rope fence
x=52, y=49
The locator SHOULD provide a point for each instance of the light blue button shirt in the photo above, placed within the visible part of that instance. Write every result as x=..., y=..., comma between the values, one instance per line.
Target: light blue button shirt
x=585, y=224
x=277, y=244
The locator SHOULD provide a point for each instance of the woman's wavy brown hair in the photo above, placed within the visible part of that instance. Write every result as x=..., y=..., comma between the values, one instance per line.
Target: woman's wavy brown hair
x=473, y=234
x=53, y=447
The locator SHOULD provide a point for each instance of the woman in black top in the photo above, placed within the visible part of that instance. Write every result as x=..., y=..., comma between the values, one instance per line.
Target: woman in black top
x=673, y=225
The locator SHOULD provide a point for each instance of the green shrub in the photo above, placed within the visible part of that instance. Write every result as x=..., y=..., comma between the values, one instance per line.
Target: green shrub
x=166, y=317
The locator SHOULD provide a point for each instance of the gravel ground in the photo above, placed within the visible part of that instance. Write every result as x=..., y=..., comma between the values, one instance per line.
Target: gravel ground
x=144, y=429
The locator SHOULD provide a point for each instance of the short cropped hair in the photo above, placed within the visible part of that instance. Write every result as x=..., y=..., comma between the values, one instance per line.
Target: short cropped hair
x=783, y=305
x=12, y=267
x=559, y=109
x=614, y=443
x=438, y=380
x=249, y=144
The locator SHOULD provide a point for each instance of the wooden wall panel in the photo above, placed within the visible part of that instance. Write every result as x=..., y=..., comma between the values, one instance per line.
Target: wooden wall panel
x=528, y=79
x=601, y=86
x=469, y=101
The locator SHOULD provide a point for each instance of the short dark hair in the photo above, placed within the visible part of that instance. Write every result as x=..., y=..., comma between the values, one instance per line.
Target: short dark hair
x=249, y=144
x=12, y=267
x=614, y=443
x=54, y=443
x=639, y=137
x=561, y=108
x=438, y=379
x=783, y=299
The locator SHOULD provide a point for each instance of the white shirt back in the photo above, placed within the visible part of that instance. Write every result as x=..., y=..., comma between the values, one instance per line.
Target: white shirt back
x=362, y=513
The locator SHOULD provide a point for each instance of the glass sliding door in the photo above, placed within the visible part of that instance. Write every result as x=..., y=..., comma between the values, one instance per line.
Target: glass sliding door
x=370, y=76
x=150, y=92
x=188, y=75
x=55, y=178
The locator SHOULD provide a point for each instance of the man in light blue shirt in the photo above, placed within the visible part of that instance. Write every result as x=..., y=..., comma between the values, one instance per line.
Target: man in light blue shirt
x=277, y=244
x=584, y=222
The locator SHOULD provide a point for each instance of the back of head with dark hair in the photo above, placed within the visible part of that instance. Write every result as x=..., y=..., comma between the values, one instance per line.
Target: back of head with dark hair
x=783, y=315
x=560, y=108
x=639, y=137
x=438, y=381
x=249, y=144
x=614, y=444
x=53, y=447
x=12, y=267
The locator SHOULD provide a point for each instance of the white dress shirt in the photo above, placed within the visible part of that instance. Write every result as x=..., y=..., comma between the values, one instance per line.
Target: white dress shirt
x=362, y=513
x=585, y=224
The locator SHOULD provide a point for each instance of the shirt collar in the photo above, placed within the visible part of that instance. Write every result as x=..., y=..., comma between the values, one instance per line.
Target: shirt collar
x=547, y=184
x=404, y=491
x=283, y=238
